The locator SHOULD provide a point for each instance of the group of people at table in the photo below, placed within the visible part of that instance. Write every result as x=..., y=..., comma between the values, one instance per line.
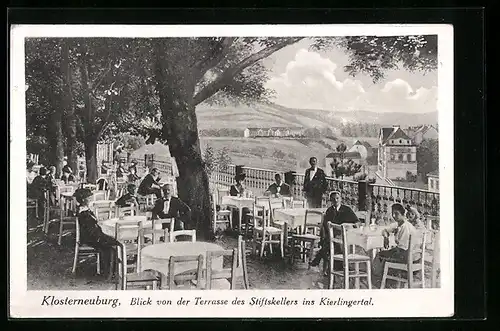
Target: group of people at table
x=406, y=220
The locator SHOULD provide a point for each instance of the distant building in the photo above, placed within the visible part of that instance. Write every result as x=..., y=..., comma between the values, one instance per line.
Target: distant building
x=397, y=154
x=433, y=181
x=354, y=156
x=363, y=148
x=273, y=132
x=419, y=133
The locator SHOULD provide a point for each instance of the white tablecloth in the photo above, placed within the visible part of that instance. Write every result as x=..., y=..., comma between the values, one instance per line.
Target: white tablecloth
x=157, y=257
x=108, y=226
x=294, y=217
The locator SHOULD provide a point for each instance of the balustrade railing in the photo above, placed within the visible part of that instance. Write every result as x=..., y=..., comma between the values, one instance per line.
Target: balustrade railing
x=359, y=195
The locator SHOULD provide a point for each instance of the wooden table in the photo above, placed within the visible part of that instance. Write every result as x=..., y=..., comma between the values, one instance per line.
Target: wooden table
x=238, y=203
x=291, y=218
x=157, y=256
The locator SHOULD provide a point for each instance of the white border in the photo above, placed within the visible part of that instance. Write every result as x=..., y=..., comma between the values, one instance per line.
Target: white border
x=387, y=303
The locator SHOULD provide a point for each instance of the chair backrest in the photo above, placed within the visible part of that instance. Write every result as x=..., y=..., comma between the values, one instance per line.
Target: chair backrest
x=275, y=203
x=127, y=231
x=313, y=221
x=125, y=211
x=299, y=203
x=185, y=276
x=103, y=209
x=431, y=222
x=214, y=207
x=337, y=234
x=102, y=183
x=66, y=188
x=256, y=217
x=175, y=234
x=101, y=195
x=222, y=192
x=224, y=273
x=77, y=232
x=417, y=246
x=161, y=221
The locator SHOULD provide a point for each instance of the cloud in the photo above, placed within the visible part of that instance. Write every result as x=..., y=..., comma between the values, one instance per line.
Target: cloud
x=311, y=81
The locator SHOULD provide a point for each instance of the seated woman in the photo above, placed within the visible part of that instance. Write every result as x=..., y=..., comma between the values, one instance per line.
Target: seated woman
x=51, y=184
x=413, y=217
x=38, y=187
x=402, y=230
x=238, y=189
x=132, y=170
x=128, y=198
x=91, y=233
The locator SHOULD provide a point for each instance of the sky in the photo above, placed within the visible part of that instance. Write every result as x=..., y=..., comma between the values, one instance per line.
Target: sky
x=303, y=78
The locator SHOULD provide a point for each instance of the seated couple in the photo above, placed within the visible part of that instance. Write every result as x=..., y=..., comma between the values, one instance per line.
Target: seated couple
x=167, y=206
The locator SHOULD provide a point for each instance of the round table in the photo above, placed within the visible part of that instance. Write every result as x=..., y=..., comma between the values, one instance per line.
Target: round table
x=108, y=226
x=157, y=256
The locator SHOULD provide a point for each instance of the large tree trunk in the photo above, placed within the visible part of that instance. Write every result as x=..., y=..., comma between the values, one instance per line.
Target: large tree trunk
x=67, y=102
x=57, y=142
x=192, y=183
x=91, y=159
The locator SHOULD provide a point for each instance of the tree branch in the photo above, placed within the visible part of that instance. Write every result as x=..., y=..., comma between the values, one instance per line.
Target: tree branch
x=107, y=115
x=99, y=79
x=224, y=78
x=205, y=64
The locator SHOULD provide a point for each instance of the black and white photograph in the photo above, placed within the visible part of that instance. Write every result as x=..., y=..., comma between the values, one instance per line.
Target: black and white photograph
x=268, y=162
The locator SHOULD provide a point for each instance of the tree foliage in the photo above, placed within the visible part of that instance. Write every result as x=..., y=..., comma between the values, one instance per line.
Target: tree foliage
x=428, y=156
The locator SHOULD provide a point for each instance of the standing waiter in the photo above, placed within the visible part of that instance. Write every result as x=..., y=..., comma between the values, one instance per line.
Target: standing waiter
x=315, y=184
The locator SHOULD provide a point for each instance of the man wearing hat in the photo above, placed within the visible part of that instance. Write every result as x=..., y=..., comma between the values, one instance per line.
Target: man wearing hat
x=169, y=206
x=90, y=232
x=337, y=213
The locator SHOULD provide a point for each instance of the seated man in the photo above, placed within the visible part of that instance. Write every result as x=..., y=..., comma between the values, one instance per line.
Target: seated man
x=150, y=185
x=90, y=232
x=172, y=207
x=279, y=188
x=337, y=213
x=402, y=229
x=129, y=198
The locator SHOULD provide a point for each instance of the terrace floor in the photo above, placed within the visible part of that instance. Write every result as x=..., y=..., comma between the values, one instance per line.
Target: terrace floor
x=49, y=268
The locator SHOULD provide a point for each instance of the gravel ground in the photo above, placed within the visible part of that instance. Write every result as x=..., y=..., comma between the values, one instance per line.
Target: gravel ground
x=49, y=268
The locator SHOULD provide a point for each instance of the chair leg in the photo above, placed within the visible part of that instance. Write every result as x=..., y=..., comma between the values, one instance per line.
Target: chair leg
x=331, y=277
x=61, y=226
x=282, y=242
x=384, y=277
x=262, y=245
x=292, y=253
x=356, y=280
x=98, y=267
x=369, y=274
x=75, y=260
x=346, y=276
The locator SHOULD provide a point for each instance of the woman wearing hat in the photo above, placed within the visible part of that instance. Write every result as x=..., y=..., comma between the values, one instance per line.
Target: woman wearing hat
x=91, y=233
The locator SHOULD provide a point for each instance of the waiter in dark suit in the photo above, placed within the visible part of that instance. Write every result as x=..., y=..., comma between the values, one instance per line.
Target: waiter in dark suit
x=150, y=185
x=337, y=213
x=172, y=207
x=279, y=188
x=315, y=184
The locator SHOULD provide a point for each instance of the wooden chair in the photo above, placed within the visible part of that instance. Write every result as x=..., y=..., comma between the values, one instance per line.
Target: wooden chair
x=220, y=278
x=405, y=272
x=157, y=232
x=32, y=204
x=138, y=277
x=175, y=234
x=194, y=276
x=103, y=210
x=264, y=234
x=221, y=192
x=65, y=218
x=221, y=216
x=82, y=250
x=242, y=260
x=101, y=195
x=347, y=258
x=432, y=255
x=308, y=236
x=299, y=203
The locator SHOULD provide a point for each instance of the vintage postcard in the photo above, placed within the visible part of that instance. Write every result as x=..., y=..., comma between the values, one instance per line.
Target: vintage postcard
x=300, y=171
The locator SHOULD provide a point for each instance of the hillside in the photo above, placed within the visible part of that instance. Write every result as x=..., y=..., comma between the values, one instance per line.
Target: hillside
x=265, y=115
